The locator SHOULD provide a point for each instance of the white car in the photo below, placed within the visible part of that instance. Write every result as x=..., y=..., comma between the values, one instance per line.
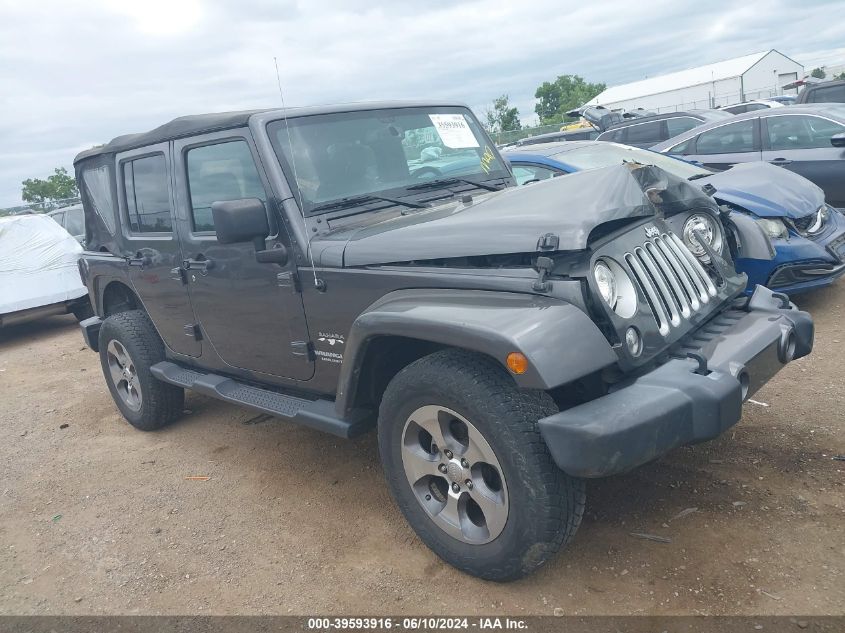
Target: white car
x=39, y=276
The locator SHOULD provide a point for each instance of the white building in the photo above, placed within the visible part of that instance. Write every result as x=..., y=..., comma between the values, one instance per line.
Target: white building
x=756, y=76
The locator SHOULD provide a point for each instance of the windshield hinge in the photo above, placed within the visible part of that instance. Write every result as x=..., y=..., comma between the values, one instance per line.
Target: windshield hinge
x=544, y=265
x=548, y=242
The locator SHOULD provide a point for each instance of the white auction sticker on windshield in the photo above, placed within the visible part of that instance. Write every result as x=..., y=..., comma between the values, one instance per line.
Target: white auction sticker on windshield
x=453, y=130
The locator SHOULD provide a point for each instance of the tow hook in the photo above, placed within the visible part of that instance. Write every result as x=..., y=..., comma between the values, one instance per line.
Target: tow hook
x=544, y=265
x=702, y=363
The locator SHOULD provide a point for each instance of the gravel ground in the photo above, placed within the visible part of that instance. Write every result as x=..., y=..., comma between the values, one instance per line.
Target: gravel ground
x=97, y=518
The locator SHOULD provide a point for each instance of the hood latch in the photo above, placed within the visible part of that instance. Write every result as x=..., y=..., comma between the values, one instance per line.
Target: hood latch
x=544, y=265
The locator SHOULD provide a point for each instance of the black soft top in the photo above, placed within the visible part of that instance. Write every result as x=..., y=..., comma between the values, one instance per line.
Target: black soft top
x=203, y=123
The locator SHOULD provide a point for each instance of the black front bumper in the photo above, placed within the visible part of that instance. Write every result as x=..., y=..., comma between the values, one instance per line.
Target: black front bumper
x=91, y=332
x=685, y=400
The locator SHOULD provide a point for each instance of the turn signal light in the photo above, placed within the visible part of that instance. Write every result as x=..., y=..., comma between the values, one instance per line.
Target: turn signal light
x=517, y=363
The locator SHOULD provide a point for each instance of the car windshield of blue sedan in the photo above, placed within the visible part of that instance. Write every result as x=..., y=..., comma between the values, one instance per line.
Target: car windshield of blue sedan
x=605, y=154
x=370, y=153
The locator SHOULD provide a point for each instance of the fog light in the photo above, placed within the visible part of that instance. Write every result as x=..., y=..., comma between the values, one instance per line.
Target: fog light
x=517, y=363
x=633, y=341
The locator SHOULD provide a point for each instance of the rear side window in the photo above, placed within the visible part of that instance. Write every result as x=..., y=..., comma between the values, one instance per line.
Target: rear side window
x=828, y=94
x=645, y=132
x=224, y=171
x=728, y=139
x=681, y=124
x=96, y=188
x=147, y=196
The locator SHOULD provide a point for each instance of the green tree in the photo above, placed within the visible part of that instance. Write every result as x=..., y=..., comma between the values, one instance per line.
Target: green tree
x=818, y=73
x=840, y=75
x=58, y=186
x=567, y=92
x=501, y=117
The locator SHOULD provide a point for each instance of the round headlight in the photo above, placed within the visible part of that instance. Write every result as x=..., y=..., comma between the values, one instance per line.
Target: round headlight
x=704, y=226
x=606, y=283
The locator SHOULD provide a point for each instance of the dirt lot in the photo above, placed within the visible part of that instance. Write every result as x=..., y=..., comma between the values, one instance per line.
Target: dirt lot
x=96, y=517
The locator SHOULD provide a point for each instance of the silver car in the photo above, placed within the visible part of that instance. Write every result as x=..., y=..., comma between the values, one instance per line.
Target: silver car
x=809, y=140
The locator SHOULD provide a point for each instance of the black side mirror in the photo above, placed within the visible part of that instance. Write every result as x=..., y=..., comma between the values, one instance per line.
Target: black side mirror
x=240, y=220
x=838, y=140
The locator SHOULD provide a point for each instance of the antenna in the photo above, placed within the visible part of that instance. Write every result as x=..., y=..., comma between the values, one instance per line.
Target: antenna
x=318, y=283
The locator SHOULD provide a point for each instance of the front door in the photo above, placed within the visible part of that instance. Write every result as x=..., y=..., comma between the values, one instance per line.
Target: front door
x=723, y=147
x=151, y=245
x=801, y=143
x=251, y=313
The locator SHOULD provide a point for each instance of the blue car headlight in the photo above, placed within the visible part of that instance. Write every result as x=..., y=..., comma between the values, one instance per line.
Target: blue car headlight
x=773, y=228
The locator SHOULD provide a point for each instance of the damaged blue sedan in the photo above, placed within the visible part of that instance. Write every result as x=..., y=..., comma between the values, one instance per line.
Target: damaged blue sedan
x=806, y=235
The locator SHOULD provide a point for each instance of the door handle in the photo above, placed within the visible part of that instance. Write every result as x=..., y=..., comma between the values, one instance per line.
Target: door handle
x=780, y=161
x=140, y=260
x=201, y=263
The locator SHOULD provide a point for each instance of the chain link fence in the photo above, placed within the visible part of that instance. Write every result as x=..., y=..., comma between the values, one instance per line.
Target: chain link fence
x=40, y=207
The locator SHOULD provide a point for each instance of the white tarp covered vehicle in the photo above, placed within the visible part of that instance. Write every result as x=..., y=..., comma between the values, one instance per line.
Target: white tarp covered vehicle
x=38, y=271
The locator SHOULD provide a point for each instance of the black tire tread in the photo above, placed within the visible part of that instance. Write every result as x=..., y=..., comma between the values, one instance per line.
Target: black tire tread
x=162, y=403
x=561, y=498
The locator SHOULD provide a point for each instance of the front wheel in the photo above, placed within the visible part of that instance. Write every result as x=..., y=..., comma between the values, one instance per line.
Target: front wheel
x=466, y=464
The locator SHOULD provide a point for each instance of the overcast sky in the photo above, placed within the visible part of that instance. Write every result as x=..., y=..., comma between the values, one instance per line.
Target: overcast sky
x=76, y=73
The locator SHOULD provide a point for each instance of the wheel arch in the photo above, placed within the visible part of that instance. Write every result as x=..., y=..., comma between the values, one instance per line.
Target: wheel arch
x=117, y=297
x=405, y=325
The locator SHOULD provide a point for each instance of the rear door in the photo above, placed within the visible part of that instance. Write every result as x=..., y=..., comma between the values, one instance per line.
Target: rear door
x=801, y=143
x=723, y=147
x=151, y=246
x=645, y=134
x=250, y=312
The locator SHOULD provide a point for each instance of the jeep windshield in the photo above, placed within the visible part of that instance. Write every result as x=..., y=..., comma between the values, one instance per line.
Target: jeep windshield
x=347, y=160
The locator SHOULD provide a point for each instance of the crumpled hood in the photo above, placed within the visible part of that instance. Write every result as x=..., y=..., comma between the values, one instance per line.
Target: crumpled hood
x=766, y=190
x=511, y=221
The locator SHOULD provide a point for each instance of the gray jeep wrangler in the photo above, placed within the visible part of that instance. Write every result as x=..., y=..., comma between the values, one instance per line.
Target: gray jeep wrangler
x=374, y=266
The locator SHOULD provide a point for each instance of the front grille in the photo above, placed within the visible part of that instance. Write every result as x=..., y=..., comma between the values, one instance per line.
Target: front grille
x=672, y=280
x=810, y=224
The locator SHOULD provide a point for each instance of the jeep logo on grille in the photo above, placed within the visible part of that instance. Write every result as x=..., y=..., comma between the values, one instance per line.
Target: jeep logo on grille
x=651, y=231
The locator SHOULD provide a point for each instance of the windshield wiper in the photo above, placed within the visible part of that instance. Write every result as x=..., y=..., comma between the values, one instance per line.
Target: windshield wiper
x=352, y=201
x=697, y=176
x=445, y=182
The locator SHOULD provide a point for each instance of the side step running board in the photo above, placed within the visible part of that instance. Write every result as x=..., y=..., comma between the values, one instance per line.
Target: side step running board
x=317, y=414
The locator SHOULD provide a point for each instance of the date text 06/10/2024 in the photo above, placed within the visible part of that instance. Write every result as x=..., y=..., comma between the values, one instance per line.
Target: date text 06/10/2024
x=411, y=624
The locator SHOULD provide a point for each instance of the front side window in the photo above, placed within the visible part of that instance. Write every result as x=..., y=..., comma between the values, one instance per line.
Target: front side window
x=800, y=132
x=345, y=155
x=681, y=124
x=224, y=171
x=147, y=196
x=728, y=139
x=524, y=172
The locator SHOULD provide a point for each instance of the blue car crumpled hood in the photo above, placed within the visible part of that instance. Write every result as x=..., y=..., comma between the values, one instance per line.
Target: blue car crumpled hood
x=766, y=190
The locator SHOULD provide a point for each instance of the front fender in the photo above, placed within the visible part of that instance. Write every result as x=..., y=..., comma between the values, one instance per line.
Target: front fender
x=559, y=340
x=754, y=243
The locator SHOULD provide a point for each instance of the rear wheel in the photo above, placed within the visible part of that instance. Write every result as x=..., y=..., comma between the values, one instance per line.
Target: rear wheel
x=129, y=346
x=467, y=466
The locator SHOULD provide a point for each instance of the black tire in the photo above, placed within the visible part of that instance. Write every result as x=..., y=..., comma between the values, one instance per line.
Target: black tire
x=545, y=504
x=159, y=403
